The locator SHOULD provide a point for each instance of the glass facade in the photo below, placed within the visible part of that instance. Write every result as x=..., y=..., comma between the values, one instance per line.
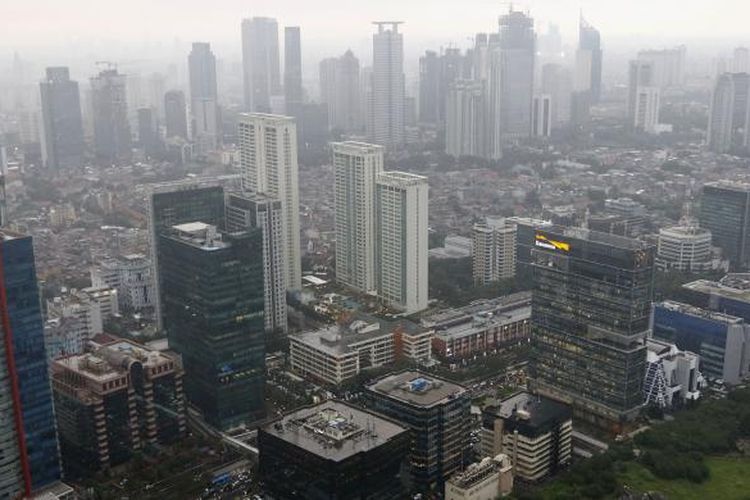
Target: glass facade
x=212, y=306
x=725, y=211
x=26, y=364
x=590, y=313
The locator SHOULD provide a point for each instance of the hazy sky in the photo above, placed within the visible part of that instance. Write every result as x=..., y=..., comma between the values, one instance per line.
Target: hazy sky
x=44, y=23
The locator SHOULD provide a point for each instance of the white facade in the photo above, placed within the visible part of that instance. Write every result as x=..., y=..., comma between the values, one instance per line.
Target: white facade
x=671, y=375
x=340, y=91
x=356, y=168
x=644, y=97
x=684, y=248
x=401, y=240
x=541, y=118
x=131, y=276
x=465, y=130
x=494, y=256
x=486, y=480
x=386, y=118
x=91, y=307
x=268, y=161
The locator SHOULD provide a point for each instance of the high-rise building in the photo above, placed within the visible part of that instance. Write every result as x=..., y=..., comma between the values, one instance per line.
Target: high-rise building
x=494, y=255
x=114, y=401
x=340, y=91
x=293, y=96
x=465, y=120
x=356, y=166
x=386, y=120
x=436, y=411
x=175, y=112
x=741, y=60
x=253, y=210
x=517, y=46
x=148, y=131
x=62, y=130
x=590, y=316
x=401, y=247
x=668, y=66
x=557, y=82
x=730, y=114
x=260, y=62
x=131, y=276
x=643, y=97
x=268, y=161
x=218, y=277
x=541, y=116
x=685, y=248
x=589, y=43
x=204, y=105
x=29, y=456
x=112, y=140
x=725, y=211
x=429, y=87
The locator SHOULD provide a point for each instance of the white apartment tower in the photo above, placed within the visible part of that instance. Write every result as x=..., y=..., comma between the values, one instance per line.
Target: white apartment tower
x=386, y=117
x=268, y=162
x=643, y=97
x=401, y=253
x=494, y=256
x=465, y=120
x=356, y=169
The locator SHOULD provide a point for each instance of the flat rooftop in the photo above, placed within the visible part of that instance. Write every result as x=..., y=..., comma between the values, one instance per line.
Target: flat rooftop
x=672, y=305
x=533, y=412
x=732, y=286
x=596, y=237
x=417, y=388
x=334, y=430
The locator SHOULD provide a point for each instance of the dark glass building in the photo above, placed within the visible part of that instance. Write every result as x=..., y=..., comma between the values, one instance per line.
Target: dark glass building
x=437, y=412
x=29, y=458
x=212, y=301
x=725, y=211
x=112, y=138
x=591, y=307
x=62, y=125
x=333, y=451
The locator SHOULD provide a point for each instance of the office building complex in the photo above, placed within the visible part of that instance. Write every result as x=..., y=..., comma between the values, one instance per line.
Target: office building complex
x=114, y=401
x=401, y=253
x=204, y=105
x=333, y=450
x=268, y=161
x=465, y=120
x=130, y=276
x=725, y=211
x=643, y=97
x=436, y=412
x=482, y=327
x=488, y=479
x=590, y=315
x=730, y=114
x=260, y=63
x=62, y=125
x=494, y=256
x=219, y=278
x=259, y=211
x=112, y=140
x=29, y=456
x=685, y=248
x=293, y=96
x=722, y=341
x=533, y=431
x=340, y=92
x=672, y=375
x=175, y=112
x=386, y=114
x=337, y=353
x=356, y=166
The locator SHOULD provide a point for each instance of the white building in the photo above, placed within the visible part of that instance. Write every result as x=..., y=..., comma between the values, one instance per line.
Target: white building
x=268, y=161
x=131, y=276
x=541, y=116
x=668, y=64
x=356, y=166
x=671, y=375
x=643, y=97
x=465, y=130
x=340, y=91
x=454, y=247
x=386, y=117
x=260, y=211
x=90, y=306
x=401, y=240
x=494, y=255
x=686, y=247
x=486, y=480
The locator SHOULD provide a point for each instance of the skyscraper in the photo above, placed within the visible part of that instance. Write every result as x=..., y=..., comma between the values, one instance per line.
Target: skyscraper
x=730, y=114
x=217, y=277
x=340, y=91
x=592, y=297
x=268, y=161
x=356, y=168
x=465, y=120
x=725, y=211
x=148, y=131
x=541, y=116
x=28, y=437
x=293, y=96
x=386, y=120
x=263, y=212
x=175, y=112
x=429, y=87
x=643, y=97
x=494, y=255
x=558, y=83
x=517, y=49
x=589, y=42
x=62, y=130
x=260, y=62
x=112, y=140
x=668, y=66
x=203, y=97
x=401, y=253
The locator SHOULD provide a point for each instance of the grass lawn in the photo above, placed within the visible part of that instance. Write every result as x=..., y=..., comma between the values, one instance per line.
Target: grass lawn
x=730, y=480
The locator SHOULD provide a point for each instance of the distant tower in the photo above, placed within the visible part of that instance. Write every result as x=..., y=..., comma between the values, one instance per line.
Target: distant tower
x=148, y=131
x=62, y=130
x=340, y=91
x=175, y=112
x=589, y=44
x=386, y=121
x=293, y=96
x=112, y=140
x=730, y=114
x=465, y=119
x=643, y=97
x=260, y=62
x=517, y=51
x=203, y=97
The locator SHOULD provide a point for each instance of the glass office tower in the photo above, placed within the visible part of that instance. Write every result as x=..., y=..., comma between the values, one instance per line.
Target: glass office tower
x=590, y=315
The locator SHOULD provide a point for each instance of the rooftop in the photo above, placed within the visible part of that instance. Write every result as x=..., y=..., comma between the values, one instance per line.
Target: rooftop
x=394, y=177
x=699, y=312
x=732, y=286
x=583, y=234
x=334, y=430
x=730, y=185
x=529, y=412
x=417, y=389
